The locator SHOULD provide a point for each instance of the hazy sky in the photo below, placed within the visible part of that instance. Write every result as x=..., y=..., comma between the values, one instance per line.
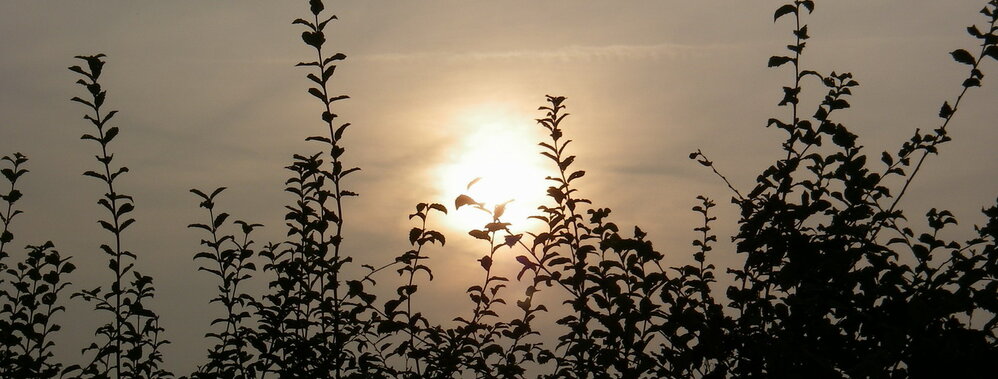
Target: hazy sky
x=209, y=97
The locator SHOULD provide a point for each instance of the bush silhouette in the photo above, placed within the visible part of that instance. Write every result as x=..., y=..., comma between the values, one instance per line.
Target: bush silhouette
x=831, y=282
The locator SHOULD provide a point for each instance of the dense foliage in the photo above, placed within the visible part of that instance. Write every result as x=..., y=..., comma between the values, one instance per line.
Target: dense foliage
x=832, y=282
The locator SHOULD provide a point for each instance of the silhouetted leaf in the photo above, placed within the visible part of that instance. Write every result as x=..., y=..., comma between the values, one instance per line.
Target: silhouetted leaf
x=566, y=163
x=480, y=234
x=337, y=98
x=972, y=82
x=314, y=39
x=95, y=175
x=473, y=181
x=317, y=93
x=963, y=56
x=439, y=207
x=414, y=235
x=991, y=51
x=513, y=239
x=486, y=262
x=335, y=57
x=784, y=10
x=319, y=138
x=81, y=101
x=496, y=226
x=463, y=200
x=79, y=70
x=316, y=6
x=110, y=134
x=973, y=31
x=304, y=22
x=946, y=111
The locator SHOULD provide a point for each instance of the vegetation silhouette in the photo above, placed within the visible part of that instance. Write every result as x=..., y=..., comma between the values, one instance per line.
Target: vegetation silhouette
x=833, y=283
x=129, y=345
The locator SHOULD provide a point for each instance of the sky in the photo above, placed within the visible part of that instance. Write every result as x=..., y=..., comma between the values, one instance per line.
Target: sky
x=209, y=96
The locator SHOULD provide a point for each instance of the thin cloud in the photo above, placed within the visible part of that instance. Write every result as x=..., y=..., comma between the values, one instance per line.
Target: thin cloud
x=573, y=53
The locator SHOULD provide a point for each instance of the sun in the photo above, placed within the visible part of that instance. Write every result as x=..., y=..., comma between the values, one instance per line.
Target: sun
x=499, y=154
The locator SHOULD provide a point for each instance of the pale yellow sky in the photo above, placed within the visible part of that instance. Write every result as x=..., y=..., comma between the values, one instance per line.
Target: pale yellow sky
x=209, y=97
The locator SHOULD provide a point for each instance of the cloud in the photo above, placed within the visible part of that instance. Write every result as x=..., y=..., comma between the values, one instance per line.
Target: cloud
x=574, y=53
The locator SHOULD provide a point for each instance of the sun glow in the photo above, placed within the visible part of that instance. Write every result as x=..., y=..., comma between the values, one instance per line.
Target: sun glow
x=501, y=151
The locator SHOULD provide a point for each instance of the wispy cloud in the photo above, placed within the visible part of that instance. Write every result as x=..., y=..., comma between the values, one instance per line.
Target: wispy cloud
x=573, y=53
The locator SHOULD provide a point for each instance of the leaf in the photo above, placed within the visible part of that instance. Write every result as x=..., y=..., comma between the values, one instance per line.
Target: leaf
x=433, y=235
x=963, y=56
x=219, y=219
x=322, y=25
x=216, y=192
x=946, y=111
x=348, y=171
x=556, y=194
x=316, y=6
x=108, y=117
x=559, y=261
x=314, y=39
x=328, y=72
x=303, y=22
x=496, y=226
x=125, y=208
x=340, y=97
x=790, y=95
x=972, y=30
x=567, y=162
x=317, y=93
x=108, y=226
x=972, y=82
x=524, y=261
x=512, y=240
x=777, y=61
x=887, y=159
x=471, y=183
x=486, y=262
x=110, y=134
x=480, y=234
x=79, y=70
x=439, y=207
x=203, y=196
x=204, y=255
x=81, y=101
x=319, y=138
x=463, y=200
x=339, y=131
x=12, y=197
x=838, y=104
x=414, y=235
x=992, y=51
x=96, y=175
x=783, y=11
